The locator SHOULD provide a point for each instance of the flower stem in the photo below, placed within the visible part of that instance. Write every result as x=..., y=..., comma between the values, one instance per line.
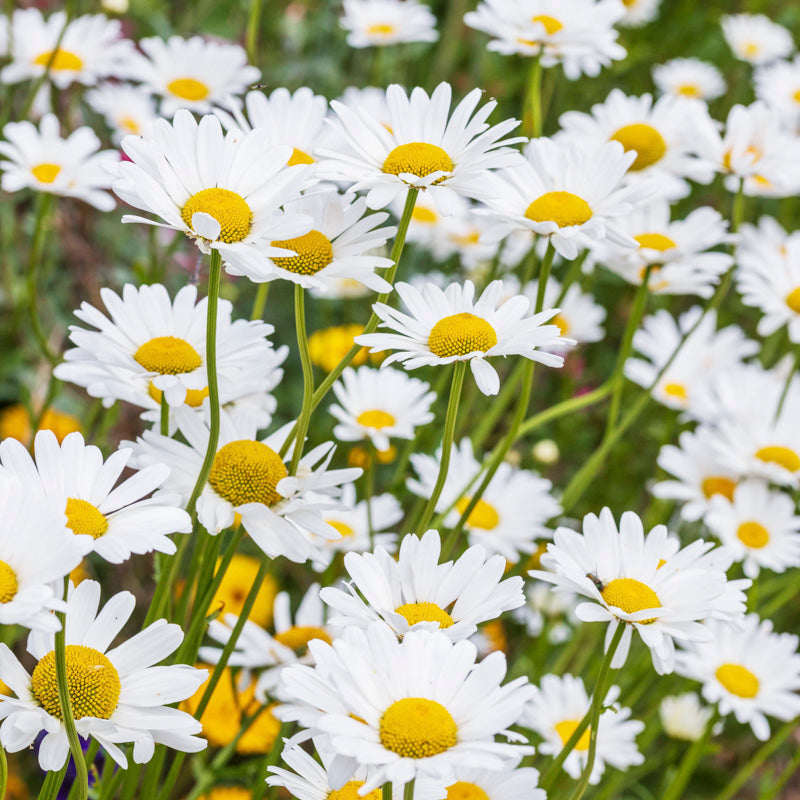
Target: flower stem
x=308, y=377
x=164, y=415
x=532, y=113
x=386, y=791
x=408, y=790
x=689, y=762
x=251, y=35
x=3, y=772
x=52, y=783
x=260, y=302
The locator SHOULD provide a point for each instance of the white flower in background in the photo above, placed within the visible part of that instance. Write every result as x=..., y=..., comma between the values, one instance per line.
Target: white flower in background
x=755, y=38
x=544, y=607
x=750, y=673
x=639, y=12
x=758, y=526
x=92, y=47
x=508, y=784
x=376, y=23
x=579, y=35
x=112, y=522
x=379, y=405
x=116, y=695
x=765, y=240
x=557, y=709
x=127, y=109
x=580, y=317
x=416, y=592
x=191, y=73
x=371, y=100
x=425, y=146
x=778, y=85
x=683, y=717
x=689, y=77
x=449, y=325
x=40, y=159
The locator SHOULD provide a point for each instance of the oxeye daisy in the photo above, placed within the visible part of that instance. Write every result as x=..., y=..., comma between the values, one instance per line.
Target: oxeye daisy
x=778, y=85
x=16, y=422
x=750, y=673
x=376, y=23
x=191, y=73
x=689, y=77
x=755, y=38
x=638, y=581
x=425, y=146
x=580, y=316
x=40, y=159
x=639, y=12
x=112, y=522
x=416, y=592
x=557, y=709
x=487, y=784
x=420, y=707
x=683, y=717
x=127, y=109
x=117, y=695
x=450, y=325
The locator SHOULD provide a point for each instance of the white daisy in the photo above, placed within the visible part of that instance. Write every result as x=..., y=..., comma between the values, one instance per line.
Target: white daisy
x=778, y=85
x=127, y=109
x=755, y=38
x=751, y=673
x=40, y=159
x=416, y=592
x=766, y=240
x=683, y=717
x=450, y=325
x=639, y=12
x=689, y=77
x=376, y=23
x=544, y=607
x=557, y=709
x=508, y=784
x=112, y=522
x=580, y=317
x=425, y=146
x=116, y=695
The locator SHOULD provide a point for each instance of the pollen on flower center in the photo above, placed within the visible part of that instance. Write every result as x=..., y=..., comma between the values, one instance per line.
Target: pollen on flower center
x=563, y=208
x=342, y=527
x=350, y=792
x=168, y=355
x=229, y=209
x=676, y=390
x=188, y=89
x=8, y=583
x=738, y=680
x=463, y=790
x=631, y=596
x=483, y=516
x=298, y=636
x=753, y=534
x=425, y=216
x=460, y=335
x=648, y=143
x=416, y=727
x=245, y=471
x=194, y=397
x=417, y=158
x=45, y=173
x=567, y=727
x=782, y=456
x=561, y=323
x=655, y=241
x=381, y=29
x=129, y=124
x=83, y=519
x=375, y=418
x=424, y=612
x=299, y=157
x=63, y=60
x=793, y=300
x=689, y=90
x=551, y=24
x=314, y=252
x=92, y=681
x=719, y=484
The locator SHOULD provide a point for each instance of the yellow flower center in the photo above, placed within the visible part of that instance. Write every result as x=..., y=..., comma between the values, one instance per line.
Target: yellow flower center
x=342, y=527
x=188, y=89
x=567, y=727
x=129, y=124
x=8, y=583
x=350, y=792
x=631, y=596
x=380, y=29
x=796, y=96
x=314, y=252
x=245, y=471
x=168, y=355
x=92, y=681
x=84, y=519
x=751, y=50
x=753, y=534
x=375, y=418
x=194, y=397
x=793, y=300
x=561, y=323
x=63, y=60
x=229, y=209
x=648, y=143
x=754, y=153
x=655, y=241
x=461, y=334
x=417, y=158
x=738, y=680
x=298, y=636
x=676, y=390
x=719, y=484
x=463, y=790
x=483, y=516
x=563, y=208
x=689, y=90
x=45, y=173
x=425, y=216
x=551, y=24
x=783, y=456
x=299, y=157
x=424, y=612
x=415, y=727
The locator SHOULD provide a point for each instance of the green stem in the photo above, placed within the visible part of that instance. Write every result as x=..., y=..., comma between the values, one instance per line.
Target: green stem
x=386, y=791
x=52, y=783
x=164, y=415
x=689, y=762
x=3, y=772
x=259, y=304
x=544, y=276
x=787, y=385
x=308, y=377
x=268, y=761
x=563, y=408
x=44, y=209
x=532, y=116
x=772, y=790
x=369, y=490
x=408, y=790
x=251, y=38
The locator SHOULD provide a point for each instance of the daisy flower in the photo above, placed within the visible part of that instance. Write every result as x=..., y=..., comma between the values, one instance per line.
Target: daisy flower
x=766, y=239
x=379, y=405
x=507, y=784
x=683, y=717
x=689, y=77
x=758, y=526
x=778, y=85
x=40, y=159
x=420, y=707
x=112, y=522
x=376, y=23
x=191, y=73
x=639, y=12
x=755, y=38
x=450, y=325
x=641, y=582
x=15, y=421
x=236, y=583
x=328, y=346
x=750, y=673
x=580, y=317
x=416, y=592
x=544, y=607
x=36, y=551
x=116, y=695
x=425, y=147
x=126, y=109
x=580, y=35
x=557, y=709
x=511, y=514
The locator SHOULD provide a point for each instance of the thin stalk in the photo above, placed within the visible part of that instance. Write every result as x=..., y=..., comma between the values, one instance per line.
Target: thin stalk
x=689, y=762
x=563, y=408
x=3, y=772
x=251, y=36
x=408, y=790
x=369, y=490
x=164, y=415
x=260, y=302
x=532, y=115
x=544, y=276
x=52, y=783
x=308, y=377
x=772, y=789
x=386, y=791
x=89, y=757
x=785, y=392
x=44, y=209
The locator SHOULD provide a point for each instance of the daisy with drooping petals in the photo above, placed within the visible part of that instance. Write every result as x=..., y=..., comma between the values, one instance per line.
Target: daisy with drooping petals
x=750, y=673
x=376, y=23
x=755, y=38
x=557, y=709
x=778, y=85
x=40, y=159
x=127, y=109
x=425, y=147
x=450, y=325
x=416, y=592
x=682, y=716
x=116, y=695
x=689, y=77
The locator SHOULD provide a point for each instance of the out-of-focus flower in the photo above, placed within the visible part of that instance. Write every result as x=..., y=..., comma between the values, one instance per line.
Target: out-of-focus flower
x=683, y=717
x=755, y=38
x=689, y=77
x=376, y=23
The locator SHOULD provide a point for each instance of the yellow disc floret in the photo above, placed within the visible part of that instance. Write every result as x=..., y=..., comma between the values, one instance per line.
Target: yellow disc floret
x=194, y=397
x=92, y=681
x=782, y=456
x=719, y=484
x=648, y=143
x=245, y=471
x=343, y=528
x=483, y=516
x=753, y=534
x=417, y=158
x=563, y=208
x=380, y=29
x=168, y=355
x=46, y=173
x=676, y=391
x=793, y=300
x=299, y=157
x=631, y=596
x=655, y=241
x=460, y=335
x=738, y=680
x=416, y=727
x=314, y=252
x=567, y=727
x=463, y=790
x=375, y=418
x=62, y=60
x=298, y=636
x=8, y=583
x=350, y=792
x=188, y=89
x=424, y=612
x=551, y=24
x=83, y=519
x=229, y=209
